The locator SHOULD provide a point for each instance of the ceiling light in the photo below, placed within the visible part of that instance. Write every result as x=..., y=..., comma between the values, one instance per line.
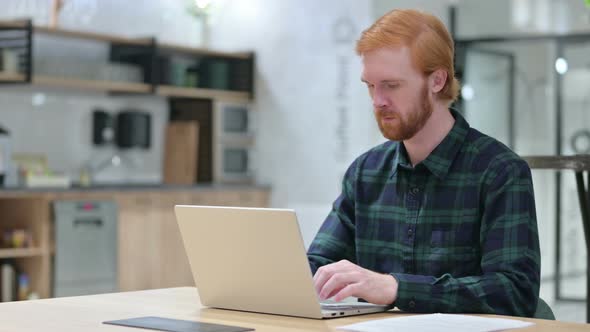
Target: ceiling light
x=561, y=66
x=467, y=92
x=202, y=4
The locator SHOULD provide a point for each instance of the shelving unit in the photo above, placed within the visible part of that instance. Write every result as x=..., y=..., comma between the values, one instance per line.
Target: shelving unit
x=20, y=252
x=233, y=83
x=29, y=213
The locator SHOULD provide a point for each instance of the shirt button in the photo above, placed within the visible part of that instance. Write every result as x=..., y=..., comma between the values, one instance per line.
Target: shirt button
x=412, y=304
x=410, y=233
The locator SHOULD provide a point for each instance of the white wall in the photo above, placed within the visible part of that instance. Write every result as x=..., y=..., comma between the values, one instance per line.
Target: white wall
x=314, y=113
x=61, y=129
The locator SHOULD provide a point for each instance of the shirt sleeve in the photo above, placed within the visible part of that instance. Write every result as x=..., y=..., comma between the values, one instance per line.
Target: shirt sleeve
x=335, y=239
x=510, y=263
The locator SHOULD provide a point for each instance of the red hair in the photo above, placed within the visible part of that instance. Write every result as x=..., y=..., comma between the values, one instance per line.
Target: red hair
x=430, y=43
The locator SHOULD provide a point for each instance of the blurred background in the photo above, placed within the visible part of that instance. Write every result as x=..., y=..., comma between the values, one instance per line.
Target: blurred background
x=113, y=111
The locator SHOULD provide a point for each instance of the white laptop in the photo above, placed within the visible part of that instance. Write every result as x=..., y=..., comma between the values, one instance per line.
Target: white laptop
x=253, y=259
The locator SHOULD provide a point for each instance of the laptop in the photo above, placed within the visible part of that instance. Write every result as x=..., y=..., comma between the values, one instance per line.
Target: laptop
x=254, y=259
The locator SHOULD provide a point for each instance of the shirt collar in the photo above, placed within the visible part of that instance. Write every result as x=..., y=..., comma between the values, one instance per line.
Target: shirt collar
x=440, y=159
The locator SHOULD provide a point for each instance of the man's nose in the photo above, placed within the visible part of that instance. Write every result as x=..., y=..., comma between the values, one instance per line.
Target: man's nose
x=379, y=100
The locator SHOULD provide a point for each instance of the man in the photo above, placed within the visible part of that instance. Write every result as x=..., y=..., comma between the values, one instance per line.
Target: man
x=440, y=218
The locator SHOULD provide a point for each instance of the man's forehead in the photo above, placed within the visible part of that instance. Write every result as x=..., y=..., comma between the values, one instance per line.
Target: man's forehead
x=387, y=53
x=387, y=64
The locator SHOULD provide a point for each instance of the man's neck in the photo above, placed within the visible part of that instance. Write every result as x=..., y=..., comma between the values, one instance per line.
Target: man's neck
x=428, y=138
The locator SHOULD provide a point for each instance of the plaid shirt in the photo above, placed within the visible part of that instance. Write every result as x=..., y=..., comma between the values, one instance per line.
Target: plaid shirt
x=458, y=231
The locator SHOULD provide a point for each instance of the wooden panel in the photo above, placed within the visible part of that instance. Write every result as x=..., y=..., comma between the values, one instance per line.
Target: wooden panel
x=16, y=24
x=151, y=250
x=139, y=242
x=175, y=270
x=20, y=252
x=206, y=198
x=258, y=198
x=10, y=77
x=201, y=111
x=180, y=152
x=92, y=36
x=82, y=84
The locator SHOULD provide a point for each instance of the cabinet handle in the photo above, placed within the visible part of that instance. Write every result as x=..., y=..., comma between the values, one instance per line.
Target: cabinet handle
x=88, y=222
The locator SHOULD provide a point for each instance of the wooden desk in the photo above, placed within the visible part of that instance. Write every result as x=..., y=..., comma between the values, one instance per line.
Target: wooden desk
x=86, y=313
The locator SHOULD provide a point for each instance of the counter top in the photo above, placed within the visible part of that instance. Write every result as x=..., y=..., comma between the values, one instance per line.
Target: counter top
x=101, y=191
x=137, y=187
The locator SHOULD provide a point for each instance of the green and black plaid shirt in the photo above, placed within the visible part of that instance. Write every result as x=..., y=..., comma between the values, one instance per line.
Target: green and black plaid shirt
x=458, y=231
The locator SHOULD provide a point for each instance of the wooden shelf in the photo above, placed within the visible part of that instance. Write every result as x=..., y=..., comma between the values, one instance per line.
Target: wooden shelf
x=129, y=87
x=20, y=252
x=74, y=83
x=93, y=36
x=203, y=51
x=175, y=91
x=16, y=24
x=11, y=77
x=241, y=58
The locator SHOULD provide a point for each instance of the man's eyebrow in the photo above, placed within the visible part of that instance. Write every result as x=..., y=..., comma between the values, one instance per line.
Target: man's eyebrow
x=393, y=80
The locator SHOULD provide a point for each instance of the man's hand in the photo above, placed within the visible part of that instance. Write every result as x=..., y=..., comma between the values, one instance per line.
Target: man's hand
x=343, y=279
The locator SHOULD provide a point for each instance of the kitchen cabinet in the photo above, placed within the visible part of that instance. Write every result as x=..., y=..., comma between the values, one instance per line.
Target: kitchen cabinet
x=150, y=249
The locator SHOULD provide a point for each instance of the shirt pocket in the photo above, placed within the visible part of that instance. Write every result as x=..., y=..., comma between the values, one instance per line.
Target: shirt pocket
x=453, y=252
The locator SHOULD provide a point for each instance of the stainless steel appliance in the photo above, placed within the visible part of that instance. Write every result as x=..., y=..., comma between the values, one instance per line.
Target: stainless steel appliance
x=85, y=259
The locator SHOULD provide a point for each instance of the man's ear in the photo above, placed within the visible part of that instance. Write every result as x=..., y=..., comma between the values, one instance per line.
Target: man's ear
x=437, y=80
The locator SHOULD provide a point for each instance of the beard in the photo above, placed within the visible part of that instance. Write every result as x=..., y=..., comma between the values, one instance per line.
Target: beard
x=403, y=129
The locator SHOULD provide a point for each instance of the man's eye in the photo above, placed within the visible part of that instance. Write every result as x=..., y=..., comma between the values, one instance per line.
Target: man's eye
x=392, y=86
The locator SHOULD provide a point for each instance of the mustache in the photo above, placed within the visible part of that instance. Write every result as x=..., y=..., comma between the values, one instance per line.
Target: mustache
x=387, y=113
